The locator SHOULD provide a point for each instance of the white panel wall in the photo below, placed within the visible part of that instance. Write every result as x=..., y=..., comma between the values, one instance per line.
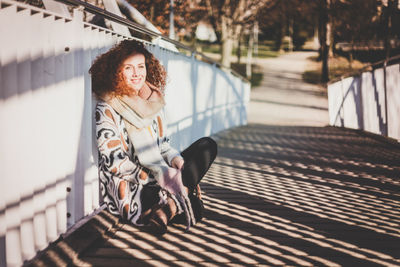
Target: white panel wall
x=201, y=98
x=335, y=97
x=361, y=103
x=48, y=171
x=393, y=100
x=48, y=151
x=373, y=99
x=352, y=103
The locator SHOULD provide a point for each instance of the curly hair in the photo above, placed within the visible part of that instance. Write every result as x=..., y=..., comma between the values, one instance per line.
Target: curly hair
x=107, y=78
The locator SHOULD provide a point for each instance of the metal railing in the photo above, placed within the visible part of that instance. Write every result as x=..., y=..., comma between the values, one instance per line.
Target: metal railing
x=369, y=100
x=49, y=180
x=139, y=28
x=369, y=67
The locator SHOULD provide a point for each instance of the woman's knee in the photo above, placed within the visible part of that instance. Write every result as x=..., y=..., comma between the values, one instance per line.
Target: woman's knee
x=210, y=145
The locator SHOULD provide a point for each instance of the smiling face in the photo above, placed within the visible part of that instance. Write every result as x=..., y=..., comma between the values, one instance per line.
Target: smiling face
x=134, y=71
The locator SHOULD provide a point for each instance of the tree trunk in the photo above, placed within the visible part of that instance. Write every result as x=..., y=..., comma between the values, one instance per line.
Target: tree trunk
x=249, y=55
x=329, y=35
x=290, y=30
x=316, y=43
x=324, y=50
x=152, y=13
x=279, y=36
x=388, y=13
x=351, y=55
x=226, y=42
x=256, y=31
x=171, y=21
x=213, y=20
x=239, y=49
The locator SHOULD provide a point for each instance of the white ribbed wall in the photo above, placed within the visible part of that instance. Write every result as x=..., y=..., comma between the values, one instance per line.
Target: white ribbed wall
x=48, y=154
x=360, y=103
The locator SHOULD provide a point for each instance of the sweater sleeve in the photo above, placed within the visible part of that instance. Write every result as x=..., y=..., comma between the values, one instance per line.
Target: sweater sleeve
x=167, y=151
x=114, y=158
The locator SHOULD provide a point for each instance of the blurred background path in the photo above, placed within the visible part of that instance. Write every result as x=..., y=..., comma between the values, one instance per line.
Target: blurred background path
x=283, y=98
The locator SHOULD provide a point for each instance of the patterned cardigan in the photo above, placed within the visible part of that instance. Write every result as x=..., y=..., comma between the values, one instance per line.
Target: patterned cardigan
x=121, y=175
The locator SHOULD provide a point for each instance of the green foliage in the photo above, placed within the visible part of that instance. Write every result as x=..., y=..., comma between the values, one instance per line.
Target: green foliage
x=312, y=76
x=299, y=39
x=265, y=50
x=211, y=48
x=256, y=74
x=355, y=20
x=256, y=79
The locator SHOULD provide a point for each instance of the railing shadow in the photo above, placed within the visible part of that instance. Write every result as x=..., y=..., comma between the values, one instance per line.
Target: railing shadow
x=379, y=109
x=288, y=104
x=354, y=90
x=280, y=196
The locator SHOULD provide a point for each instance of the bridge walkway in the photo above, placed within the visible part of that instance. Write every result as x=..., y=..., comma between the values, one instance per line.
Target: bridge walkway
x=284, y=190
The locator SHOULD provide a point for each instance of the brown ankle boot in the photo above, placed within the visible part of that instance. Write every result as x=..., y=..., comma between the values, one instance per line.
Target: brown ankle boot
x=161, y=216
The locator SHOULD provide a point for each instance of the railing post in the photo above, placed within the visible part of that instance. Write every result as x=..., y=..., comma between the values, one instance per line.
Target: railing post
x=78, y=13
x=386, y=133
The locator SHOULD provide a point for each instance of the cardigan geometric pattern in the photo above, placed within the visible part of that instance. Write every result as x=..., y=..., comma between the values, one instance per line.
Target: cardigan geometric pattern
x=121, y=175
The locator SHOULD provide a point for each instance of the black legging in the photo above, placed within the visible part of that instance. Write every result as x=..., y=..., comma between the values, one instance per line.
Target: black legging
x=198, y=158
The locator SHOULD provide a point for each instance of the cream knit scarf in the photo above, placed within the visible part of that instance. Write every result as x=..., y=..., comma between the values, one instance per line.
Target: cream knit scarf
x=138, y=113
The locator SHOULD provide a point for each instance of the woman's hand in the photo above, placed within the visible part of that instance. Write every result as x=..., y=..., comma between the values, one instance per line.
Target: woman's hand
x=172, y=182
x=177, y=162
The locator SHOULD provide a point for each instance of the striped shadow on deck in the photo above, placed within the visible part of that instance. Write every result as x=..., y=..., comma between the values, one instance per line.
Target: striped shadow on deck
x=298, y=196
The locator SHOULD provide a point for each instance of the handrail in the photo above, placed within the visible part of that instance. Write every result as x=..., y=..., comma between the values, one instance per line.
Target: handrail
x=370, y=66
x=139, y=28
x=384, y=61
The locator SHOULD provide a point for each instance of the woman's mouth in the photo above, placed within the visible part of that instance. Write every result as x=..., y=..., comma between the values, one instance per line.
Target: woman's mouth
x=134, y=81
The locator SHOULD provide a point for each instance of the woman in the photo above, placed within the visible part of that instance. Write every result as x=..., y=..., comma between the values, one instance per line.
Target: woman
x=143, y=179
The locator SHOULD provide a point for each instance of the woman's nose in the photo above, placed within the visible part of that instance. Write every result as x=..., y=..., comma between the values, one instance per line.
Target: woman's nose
x=134, y=71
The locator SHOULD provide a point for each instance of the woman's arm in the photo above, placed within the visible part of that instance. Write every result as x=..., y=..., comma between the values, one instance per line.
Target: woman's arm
x=170, y=154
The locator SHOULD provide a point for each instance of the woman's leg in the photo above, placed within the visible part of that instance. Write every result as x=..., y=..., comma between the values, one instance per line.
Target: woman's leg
x=198, y=158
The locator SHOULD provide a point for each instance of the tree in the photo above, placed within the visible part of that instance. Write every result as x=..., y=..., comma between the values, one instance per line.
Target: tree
x=390, y=20
x=323, y=26
x=273, y=22
x=187, y=14
x=229, y=17
x=295, y=18
x=367, y=26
